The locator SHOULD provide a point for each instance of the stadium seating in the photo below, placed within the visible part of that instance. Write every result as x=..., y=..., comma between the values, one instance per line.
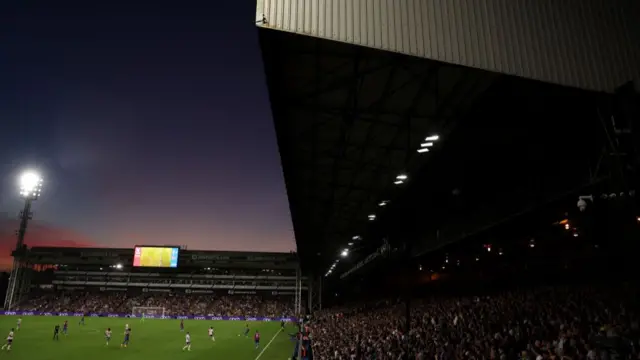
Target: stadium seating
x=174, y=304
x=546, y=323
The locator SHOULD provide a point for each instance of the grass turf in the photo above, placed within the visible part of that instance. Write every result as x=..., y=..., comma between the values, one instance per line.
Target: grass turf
x=152, y=339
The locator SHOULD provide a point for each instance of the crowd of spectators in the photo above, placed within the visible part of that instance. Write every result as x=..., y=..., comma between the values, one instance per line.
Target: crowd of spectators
x=546, y=323
x=170, y=303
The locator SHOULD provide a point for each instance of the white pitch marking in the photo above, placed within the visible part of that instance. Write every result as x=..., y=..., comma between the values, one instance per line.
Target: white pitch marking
x=269, y=343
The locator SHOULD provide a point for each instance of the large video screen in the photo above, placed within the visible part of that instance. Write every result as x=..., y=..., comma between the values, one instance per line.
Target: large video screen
x=166, y=257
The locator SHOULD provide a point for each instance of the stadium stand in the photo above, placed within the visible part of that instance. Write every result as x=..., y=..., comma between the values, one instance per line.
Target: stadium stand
x=510, y=293
x=219, y=284
x=477, y=247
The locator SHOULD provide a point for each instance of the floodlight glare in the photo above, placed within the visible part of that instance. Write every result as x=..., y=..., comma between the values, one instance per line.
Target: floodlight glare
x=30, y=184
x=344, y=253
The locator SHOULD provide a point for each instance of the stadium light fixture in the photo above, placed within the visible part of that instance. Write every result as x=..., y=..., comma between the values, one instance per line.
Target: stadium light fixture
x=383, y=203
x=350, y=244
x=118, y=266
x=356, y=238
x=30, y=185
x=400, y=179
x=423, y=150
x=427, y=144
x=432, y=138
x=372, y=217
x=345, y=253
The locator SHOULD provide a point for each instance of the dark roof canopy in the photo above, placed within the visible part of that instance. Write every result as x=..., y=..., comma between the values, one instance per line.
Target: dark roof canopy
x=350, y=119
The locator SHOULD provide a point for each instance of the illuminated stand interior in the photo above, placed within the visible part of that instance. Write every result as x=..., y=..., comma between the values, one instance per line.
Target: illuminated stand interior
x=19, y=280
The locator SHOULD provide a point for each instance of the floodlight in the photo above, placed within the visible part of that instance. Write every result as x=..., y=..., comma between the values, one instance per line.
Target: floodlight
x=427, y=144
x=344, y=253
x=423, y=150
x=401, y=177
x=372, y=217
x=30, y=184
x=432, y=138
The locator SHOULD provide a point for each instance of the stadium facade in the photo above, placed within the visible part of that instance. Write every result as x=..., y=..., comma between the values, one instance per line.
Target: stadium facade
x=196, y=272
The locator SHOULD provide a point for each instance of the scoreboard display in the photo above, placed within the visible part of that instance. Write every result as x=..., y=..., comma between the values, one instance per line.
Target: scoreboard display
x=162, y=257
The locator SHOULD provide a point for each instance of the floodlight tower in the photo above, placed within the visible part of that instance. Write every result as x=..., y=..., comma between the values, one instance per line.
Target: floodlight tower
x=30, y=188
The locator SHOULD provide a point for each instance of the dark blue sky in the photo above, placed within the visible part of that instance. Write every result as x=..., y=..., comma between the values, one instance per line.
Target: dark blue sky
x=150, y=122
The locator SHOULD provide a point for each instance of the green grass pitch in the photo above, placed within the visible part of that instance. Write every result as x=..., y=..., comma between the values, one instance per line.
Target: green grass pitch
x=152, y=339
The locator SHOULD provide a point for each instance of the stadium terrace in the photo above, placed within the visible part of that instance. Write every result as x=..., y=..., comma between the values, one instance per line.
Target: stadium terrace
x=133, y=277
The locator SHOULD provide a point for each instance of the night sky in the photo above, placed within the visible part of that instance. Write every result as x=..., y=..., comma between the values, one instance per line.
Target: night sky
x=150, y=123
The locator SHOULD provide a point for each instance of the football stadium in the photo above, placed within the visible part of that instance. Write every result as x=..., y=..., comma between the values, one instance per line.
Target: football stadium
x=462, y=181
x=94, y=290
